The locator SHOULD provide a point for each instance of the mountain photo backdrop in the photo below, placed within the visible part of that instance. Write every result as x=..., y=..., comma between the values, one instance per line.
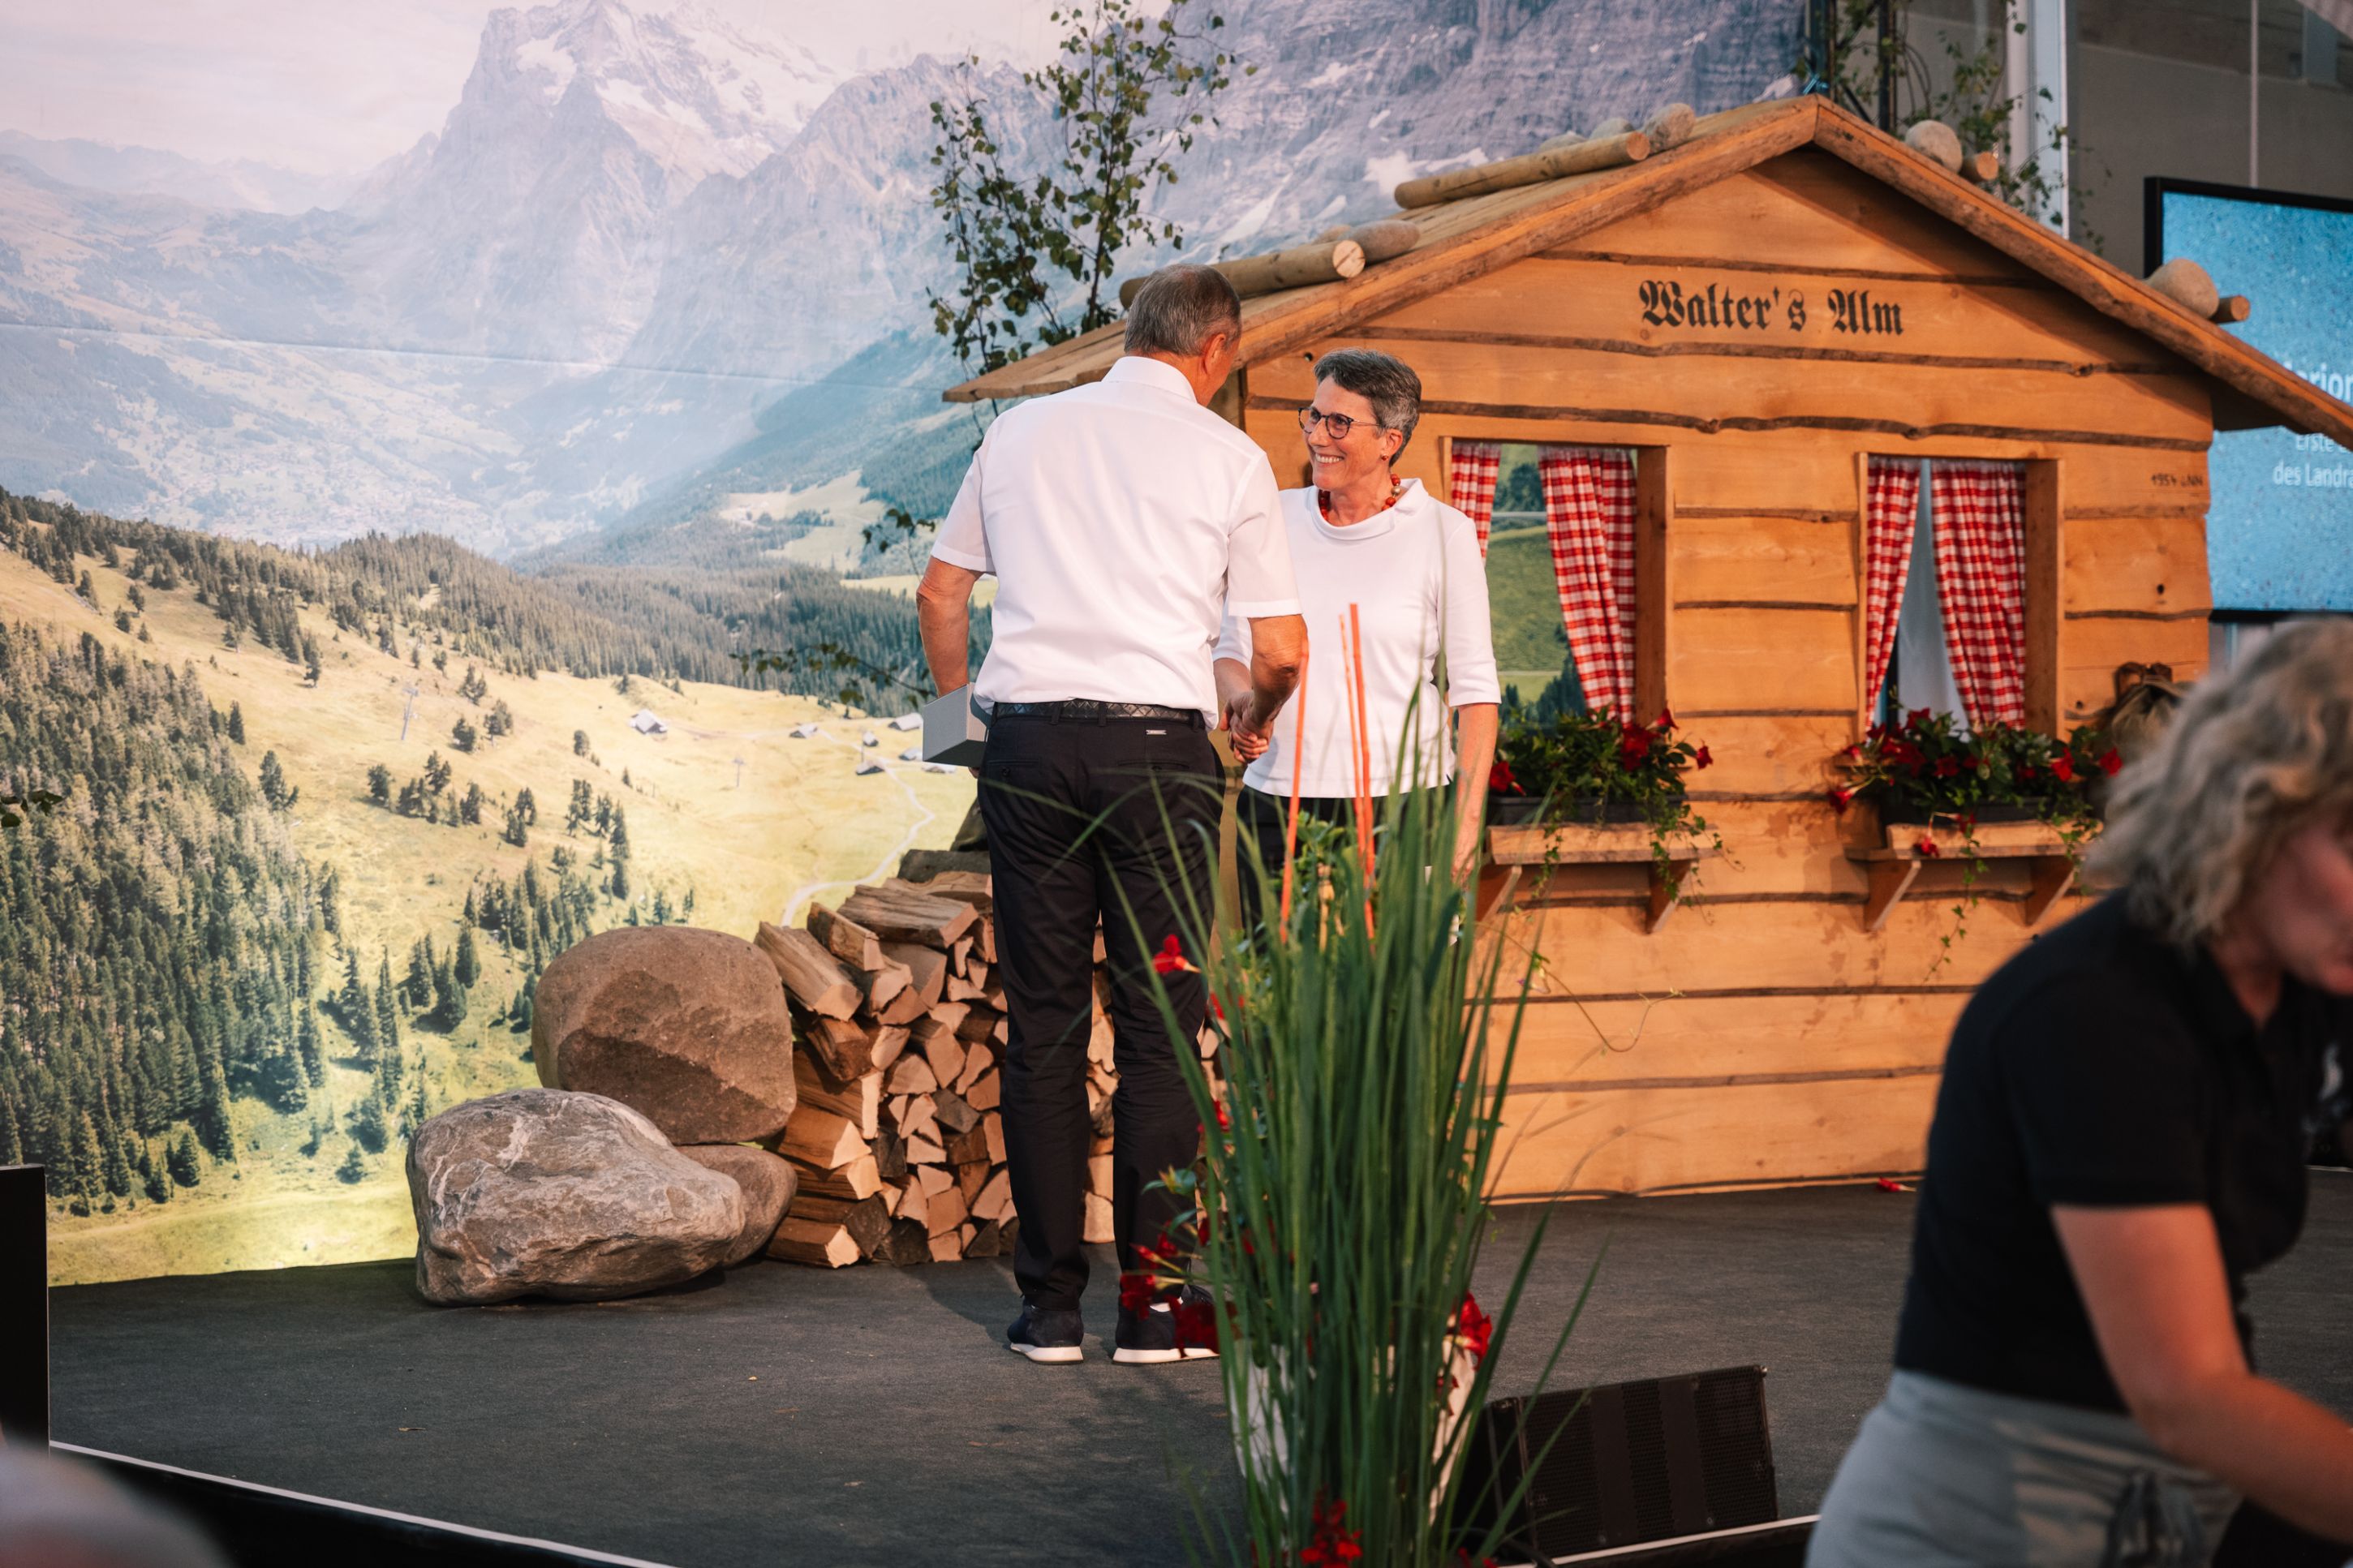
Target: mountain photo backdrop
x=402, y=433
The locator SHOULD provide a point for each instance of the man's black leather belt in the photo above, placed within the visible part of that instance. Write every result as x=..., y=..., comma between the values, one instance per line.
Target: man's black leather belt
x=1092, y=711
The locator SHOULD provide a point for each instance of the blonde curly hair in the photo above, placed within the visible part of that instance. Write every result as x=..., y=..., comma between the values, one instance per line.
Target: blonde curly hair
x=2252, y=758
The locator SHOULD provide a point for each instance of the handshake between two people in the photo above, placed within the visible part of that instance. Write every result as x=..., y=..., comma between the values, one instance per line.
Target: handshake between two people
x=1249, y=696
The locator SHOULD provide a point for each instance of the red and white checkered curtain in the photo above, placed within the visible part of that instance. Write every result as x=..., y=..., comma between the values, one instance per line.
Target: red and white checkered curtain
x=1588, y=495
x=1890, y=510
x=1472, y=470
x=1979, y=510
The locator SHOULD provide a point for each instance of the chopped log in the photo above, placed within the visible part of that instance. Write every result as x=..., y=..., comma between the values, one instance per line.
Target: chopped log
x=858, y=1100
x=1317, y=261
x=895, y=912
x=961, y=988
x=907, y=1243
x=965, y=888
x=1617, y=125
x=821, y=1138
x=842, y=1047
x=979, y=1063
x=891, y=1157
x=912, y=1075
x=959, y=955
x=905, y=1008
x=1528, y=169
x=921, y=1121
x=948, y=1210
x=992, y=1131
x=868, y=1220
x=949, y=1016
x=928, y=965
x=845, y=938
x=984, y=1095
x=995, y=1197
x=944, y=1051
x=971, y=1177
x=921, y=866
x=878, y=988
x=976, y=1025
x=889, y=1041
x=935, y=1179
x=955, y=1115
x=1097, y=1227
x=964, y=1147
x=966, y=1232
x=946, y=1248
x=1983, y=167
x=799, y=1240
x=2233, y=308
x=925, y=1150
x=914, y=1204
x=812, y=976
x=988, y=1241
x=861, y=1178
x=988, y=951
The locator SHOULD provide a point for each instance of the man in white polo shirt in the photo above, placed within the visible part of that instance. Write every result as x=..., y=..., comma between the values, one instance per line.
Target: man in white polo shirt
x=1122, y=521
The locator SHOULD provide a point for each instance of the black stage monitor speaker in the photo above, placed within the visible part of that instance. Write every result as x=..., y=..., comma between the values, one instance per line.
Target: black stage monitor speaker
x=1627, y=1462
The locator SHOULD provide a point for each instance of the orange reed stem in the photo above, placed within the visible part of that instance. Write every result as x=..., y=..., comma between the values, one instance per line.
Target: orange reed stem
x=1362, y=728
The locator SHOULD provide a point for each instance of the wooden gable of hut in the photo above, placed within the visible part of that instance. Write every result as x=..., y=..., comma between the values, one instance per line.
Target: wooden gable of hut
x=1758, y=315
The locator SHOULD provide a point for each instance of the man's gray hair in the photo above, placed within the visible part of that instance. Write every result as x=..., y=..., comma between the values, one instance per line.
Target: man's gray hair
x=1179, y=309
x=1384, y=381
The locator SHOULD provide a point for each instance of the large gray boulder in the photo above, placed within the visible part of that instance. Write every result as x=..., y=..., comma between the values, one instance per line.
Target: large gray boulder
x=768, y=1182
x=536, y=1192
x=687, y=1027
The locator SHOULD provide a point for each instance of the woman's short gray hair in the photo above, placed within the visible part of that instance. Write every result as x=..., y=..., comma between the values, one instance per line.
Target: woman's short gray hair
x=2254, y=757
x=1384, y=381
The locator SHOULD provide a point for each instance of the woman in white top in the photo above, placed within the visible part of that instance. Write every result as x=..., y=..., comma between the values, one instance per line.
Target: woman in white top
x=1410, y=564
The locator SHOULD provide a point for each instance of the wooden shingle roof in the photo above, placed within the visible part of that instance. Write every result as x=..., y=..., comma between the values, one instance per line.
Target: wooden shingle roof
x=1465, y=238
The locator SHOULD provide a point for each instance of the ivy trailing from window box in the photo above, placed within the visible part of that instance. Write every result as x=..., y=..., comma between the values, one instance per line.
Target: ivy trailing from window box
x=1597, y=768
x=1927, y=770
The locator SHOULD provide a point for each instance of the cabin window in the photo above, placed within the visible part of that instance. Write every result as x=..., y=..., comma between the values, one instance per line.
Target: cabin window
x=1560, y=526
x=1947, y=592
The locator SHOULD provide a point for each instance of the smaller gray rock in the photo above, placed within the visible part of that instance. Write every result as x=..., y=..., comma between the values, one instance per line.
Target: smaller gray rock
x=538, y=1192
x=1934, y=140
x=2188, y=285
x=768, y=1182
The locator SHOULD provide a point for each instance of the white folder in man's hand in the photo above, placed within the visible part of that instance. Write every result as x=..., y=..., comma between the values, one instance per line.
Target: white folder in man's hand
x=955, y=729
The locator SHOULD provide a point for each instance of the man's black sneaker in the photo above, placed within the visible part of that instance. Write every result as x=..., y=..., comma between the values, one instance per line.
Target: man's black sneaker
x=1164, y=1332
x=1042, y=1333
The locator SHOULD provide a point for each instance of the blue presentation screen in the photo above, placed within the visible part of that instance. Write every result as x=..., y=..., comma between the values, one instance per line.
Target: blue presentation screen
x=2279, y=529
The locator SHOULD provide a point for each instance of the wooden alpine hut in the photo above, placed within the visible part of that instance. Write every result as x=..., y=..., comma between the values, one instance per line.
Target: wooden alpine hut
x=1755, y=358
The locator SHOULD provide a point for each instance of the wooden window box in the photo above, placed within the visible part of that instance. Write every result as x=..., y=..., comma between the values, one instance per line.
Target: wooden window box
x=1518, y=846
x=2050, y=871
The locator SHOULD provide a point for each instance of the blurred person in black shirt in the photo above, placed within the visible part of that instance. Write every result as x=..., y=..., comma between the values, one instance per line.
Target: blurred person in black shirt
x=2120, y=1139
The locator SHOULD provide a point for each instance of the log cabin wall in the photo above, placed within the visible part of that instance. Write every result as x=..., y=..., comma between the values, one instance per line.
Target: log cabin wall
x=1758, y=339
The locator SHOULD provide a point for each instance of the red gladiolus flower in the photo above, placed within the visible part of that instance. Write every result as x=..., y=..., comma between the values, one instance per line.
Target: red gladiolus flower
x=1501, y=779
x=1946, y=767
x=1842, y=798
x=1225, y=1122
x=1134, y=1291
x=2062, y=768
x=1333, y=1542
x=1473, y=1326
x=1890, y=1184
x=1701, y=759
x=2111, y=761
x=1927, y=851
x=1197, y=1324
x=1852, y=753
x=1171, y=959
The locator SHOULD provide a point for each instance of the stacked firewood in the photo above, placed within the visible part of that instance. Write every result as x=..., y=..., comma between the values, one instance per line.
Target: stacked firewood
x=899, y=1028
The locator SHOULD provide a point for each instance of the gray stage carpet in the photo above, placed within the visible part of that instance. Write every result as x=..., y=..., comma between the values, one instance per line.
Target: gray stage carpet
x=785, y=1415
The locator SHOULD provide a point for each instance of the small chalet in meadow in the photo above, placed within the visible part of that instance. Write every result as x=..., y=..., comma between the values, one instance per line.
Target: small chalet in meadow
x=1753, y=361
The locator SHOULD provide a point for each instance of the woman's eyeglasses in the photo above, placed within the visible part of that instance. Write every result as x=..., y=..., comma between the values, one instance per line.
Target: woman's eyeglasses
x=1337, y=424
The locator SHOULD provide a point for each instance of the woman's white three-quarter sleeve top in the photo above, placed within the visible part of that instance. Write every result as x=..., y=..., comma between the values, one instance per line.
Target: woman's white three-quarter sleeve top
x=1420, y=587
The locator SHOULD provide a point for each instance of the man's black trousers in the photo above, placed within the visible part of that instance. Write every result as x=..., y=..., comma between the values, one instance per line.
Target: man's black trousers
x=1112, y=819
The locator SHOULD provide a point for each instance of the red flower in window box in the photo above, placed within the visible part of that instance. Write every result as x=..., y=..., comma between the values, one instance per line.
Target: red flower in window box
x=1634, y=743
x=1927, y=851
x=2111, y=761
x=1701, y=759
x=1500, y=781
x=2062, y=768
